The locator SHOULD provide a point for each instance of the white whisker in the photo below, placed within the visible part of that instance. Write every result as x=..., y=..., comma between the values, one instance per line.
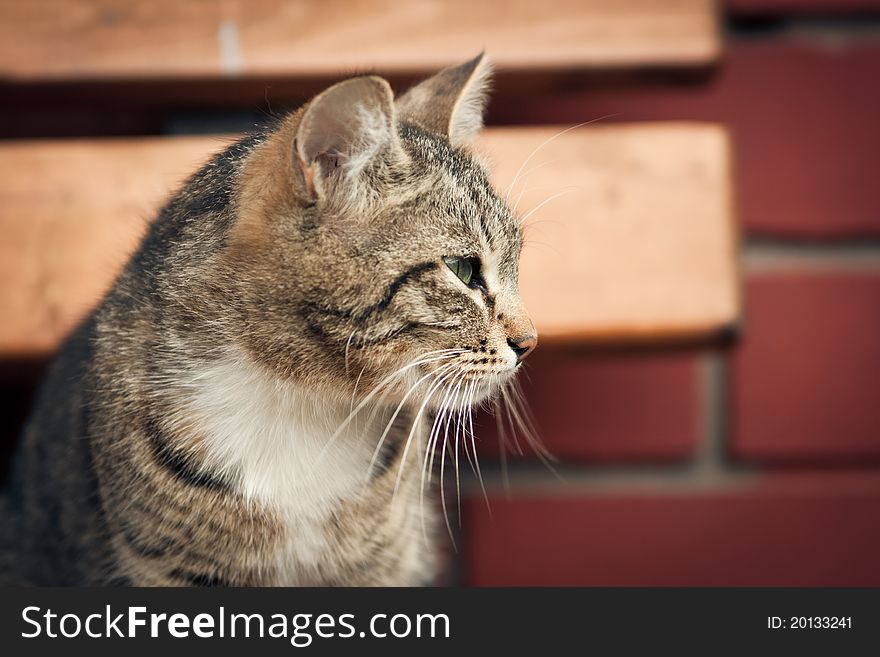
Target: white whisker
x=354, y=390
x=439, y=355
x=347, y=345
x=434, y=385
x=457, y=437
x=526, y=180
x=443, y=451
x=510, y=422
x=470, y=418
x=545, y=143
x=545, y=202
x=435, y=373
x=534, y=442
x=432, y=440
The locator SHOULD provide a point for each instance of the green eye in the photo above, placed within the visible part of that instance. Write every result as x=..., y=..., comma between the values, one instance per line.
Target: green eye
x=464, y=268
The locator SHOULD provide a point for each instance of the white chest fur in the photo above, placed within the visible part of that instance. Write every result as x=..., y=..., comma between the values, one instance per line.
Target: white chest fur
x=274, y=441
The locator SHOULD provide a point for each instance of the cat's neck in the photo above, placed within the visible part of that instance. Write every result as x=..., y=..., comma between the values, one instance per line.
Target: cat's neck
x=281, y=444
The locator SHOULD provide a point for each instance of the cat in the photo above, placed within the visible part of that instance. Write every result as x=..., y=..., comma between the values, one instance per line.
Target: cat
x=250, y=403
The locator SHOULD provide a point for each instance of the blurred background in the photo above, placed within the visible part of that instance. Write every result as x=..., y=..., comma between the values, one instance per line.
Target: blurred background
x=709, y=381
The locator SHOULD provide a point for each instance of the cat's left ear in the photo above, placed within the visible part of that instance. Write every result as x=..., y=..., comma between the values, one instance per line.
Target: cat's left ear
x=342, y=132
x=452, y=102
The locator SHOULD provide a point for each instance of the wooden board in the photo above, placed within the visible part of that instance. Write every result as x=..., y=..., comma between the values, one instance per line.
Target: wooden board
x=640, y=244
x=638, y=241
x=44, y=40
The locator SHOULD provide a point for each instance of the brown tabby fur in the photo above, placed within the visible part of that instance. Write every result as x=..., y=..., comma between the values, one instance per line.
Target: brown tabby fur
x=191, y=430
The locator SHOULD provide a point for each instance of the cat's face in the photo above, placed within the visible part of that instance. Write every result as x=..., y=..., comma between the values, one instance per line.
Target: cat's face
x=391, y=261
x=441, y=273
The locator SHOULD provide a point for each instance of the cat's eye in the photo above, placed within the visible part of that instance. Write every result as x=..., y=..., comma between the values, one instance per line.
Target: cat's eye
x=467, y=269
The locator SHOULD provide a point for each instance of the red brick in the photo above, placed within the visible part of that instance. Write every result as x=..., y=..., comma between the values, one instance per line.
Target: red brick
x=804, y=123
x=611, y=408
x=804, y=384
x=816, y=531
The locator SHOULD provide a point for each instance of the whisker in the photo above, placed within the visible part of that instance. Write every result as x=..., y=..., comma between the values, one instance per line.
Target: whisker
x=509, y=415
x=434, y=385
x=435, y=430
x=430, y=448
x=502, y=445
x=545, y=143
x=460, y=437
x=443, y=496
x=432, y=444
x=543, y=203
x=525, y=180
x=457, y=467
x=534, y=442
x=435, y=356
x=470, y=418
x=537, y=187
x=347, y=345
x=354, y=391
x=461, y=420
x=528, y=243
x=523, y=408
x=435, y=373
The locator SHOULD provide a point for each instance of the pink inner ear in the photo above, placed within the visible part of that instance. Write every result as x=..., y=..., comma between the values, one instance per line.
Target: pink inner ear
x=326, y=136
x=308, y=174
x=309, y=178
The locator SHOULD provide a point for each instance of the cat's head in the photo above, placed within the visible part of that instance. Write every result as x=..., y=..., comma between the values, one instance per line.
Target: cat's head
x=369, y=242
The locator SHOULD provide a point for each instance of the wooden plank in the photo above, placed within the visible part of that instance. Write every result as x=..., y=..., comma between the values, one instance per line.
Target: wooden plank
x=44, y=40
x=640, y=245
x=72, y=211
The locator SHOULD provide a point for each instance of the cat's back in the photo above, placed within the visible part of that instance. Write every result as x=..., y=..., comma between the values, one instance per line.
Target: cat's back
x=53, y=531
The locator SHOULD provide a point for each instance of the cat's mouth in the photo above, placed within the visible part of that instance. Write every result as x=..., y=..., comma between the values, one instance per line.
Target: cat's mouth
x=450, y=376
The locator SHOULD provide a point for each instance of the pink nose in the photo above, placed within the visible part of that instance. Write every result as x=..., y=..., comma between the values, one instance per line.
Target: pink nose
x=522, y=347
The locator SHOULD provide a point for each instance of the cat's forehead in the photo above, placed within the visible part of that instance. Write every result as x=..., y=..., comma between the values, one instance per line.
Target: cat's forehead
x=432, y=152
x=456, y=185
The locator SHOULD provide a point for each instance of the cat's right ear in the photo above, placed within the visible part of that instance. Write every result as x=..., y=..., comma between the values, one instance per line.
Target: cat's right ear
x=452, y=102
x=343, y=130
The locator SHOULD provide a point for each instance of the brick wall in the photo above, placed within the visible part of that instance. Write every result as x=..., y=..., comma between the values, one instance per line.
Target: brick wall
x=754, y=465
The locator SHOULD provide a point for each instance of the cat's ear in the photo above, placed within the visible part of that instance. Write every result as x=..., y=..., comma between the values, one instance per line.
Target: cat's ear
x=452, y=102
x=342, y=131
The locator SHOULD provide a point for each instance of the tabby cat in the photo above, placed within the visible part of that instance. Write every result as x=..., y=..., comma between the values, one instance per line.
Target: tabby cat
x=252, y=401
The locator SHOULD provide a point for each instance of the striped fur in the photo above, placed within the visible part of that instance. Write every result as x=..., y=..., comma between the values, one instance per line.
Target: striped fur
x=197, y=429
